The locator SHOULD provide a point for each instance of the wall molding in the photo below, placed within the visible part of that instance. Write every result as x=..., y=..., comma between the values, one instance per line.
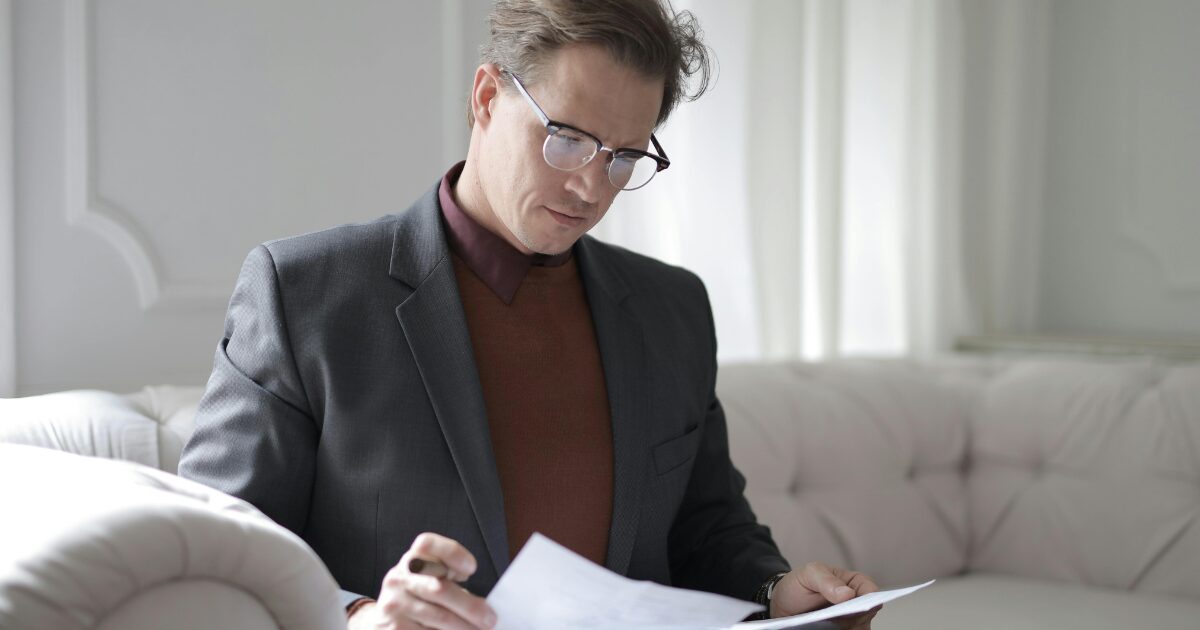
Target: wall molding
x=8, y=231
x=85, y=208
x=88, y=210
x=1176, y=277
x=1166, y=348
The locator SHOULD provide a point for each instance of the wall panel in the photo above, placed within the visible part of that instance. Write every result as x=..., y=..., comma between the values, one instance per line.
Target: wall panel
x=158, y=142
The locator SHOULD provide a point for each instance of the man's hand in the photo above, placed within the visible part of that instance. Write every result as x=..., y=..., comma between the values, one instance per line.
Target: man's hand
x=409, y=600
x=817, y=586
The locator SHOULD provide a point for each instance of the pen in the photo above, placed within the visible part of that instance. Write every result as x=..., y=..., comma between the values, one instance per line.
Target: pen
x=427, y=567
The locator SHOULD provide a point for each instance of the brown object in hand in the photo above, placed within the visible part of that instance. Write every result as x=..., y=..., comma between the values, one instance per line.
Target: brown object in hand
x=427, y=567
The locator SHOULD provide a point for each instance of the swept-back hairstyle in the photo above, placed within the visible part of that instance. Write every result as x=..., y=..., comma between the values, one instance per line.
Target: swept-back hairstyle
x=648, y=36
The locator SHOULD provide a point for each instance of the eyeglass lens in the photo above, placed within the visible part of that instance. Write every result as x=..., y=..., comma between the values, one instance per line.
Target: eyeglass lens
x=567, y=150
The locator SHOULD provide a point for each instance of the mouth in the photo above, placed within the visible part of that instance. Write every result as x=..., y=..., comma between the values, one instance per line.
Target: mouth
x=565, y=219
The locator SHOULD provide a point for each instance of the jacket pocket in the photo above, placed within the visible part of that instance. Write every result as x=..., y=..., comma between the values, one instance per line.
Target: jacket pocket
x=676, y=452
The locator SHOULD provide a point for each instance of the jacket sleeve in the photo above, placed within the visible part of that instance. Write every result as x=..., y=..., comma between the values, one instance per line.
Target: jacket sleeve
x=255, y=435
x=716, y=543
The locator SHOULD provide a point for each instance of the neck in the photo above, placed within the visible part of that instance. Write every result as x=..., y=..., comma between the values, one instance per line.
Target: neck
x=469, y=195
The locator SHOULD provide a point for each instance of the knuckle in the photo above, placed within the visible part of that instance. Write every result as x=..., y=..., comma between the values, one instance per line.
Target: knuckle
x=427, y=614
x=434, y=587
x=417, y=609
x=393, y=579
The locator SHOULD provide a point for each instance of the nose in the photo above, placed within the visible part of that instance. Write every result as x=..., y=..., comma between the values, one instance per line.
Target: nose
x=590, y=181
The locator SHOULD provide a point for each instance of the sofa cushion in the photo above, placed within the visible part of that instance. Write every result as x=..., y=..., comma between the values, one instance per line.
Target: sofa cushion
x=995, y=602
x=1089, y=472
x=856, y=463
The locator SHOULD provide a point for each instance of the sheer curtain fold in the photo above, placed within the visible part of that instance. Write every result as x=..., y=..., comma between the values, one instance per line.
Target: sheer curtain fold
x=815, y=188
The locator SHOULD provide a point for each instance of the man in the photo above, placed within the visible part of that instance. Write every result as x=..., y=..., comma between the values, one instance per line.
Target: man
x=441, y=383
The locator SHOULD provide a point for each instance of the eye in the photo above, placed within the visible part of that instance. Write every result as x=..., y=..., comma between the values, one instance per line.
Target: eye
x=572, y=137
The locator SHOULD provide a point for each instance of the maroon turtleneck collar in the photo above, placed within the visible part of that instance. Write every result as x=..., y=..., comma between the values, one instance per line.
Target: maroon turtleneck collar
x=501, y=266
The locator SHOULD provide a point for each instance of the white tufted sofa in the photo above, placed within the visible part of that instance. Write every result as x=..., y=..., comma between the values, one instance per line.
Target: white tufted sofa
x=98, y=543
x=1041, y=494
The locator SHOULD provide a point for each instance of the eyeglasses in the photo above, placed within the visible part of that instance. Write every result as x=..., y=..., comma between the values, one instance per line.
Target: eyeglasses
x=567, y=148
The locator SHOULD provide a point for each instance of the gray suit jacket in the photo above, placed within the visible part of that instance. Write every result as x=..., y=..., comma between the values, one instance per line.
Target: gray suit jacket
x=344, y=403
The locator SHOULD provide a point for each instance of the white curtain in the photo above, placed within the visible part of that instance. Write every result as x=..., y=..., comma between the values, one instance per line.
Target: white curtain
x=816, y=188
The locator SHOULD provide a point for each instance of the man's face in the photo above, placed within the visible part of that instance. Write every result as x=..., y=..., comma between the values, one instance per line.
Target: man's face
x=544, y=209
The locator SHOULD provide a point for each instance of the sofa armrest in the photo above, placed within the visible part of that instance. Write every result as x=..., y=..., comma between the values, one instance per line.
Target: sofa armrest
x=88, y=542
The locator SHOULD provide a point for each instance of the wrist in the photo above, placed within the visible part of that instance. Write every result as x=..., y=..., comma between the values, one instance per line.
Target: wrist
x=358, y=610
x=765, y=595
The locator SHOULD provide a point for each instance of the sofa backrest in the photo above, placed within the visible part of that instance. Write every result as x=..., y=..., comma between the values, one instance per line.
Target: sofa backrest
x=1084, y=471
x=858, y=464
x=1089, y=472
x=149, y=427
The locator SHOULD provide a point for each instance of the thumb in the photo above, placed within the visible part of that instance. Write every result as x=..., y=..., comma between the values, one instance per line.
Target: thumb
x=830, y=586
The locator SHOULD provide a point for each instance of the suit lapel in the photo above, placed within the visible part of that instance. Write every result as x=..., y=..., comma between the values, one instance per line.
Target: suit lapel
x=435, y=325
x=622, y=354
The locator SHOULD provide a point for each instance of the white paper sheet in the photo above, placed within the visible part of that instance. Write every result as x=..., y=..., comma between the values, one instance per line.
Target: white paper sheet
x=549, y=587
x=854, y=606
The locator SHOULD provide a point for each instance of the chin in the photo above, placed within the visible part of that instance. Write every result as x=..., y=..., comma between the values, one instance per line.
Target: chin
x=551, y=245
x=553, y=249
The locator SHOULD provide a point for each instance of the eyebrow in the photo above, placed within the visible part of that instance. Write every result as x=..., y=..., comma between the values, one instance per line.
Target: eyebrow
x=628, y=145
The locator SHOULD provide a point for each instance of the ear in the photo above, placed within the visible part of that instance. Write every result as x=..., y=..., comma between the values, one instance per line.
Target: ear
x=484, y=92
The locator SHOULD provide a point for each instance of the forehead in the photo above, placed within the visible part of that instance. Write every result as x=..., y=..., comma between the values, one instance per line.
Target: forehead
x=583, y=86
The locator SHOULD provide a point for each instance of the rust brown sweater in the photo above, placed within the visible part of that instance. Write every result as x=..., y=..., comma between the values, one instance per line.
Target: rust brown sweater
x=547, y=405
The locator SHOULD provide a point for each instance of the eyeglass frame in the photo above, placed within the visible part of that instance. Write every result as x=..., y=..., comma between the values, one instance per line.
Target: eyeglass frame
x=552, y=126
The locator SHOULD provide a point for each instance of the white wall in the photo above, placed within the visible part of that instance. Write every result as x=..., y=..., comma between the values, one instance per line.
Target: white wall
x=158, y=142
x=1081, y=186
x=1121, y=232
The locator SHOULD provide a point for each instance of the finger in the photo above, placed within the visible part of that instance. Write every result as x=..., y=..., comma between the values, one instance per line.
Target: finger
x=423, y=614
x=453, y=598
x=384, y=622
x=857, y=622
x=865, y=622
x=458, y=560
x=860, y=582
x=399, y=600
x=819, y=578
x=397, y=608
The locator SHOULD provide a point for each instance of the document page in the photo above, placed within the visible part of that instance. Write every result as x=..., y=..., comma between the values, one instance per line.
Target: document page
x=549, y=587
x=857, y=605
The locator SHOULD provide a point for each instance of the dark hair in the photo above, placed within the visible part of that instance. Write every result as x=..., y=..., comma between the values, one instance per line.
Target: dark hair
x=645, y=35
